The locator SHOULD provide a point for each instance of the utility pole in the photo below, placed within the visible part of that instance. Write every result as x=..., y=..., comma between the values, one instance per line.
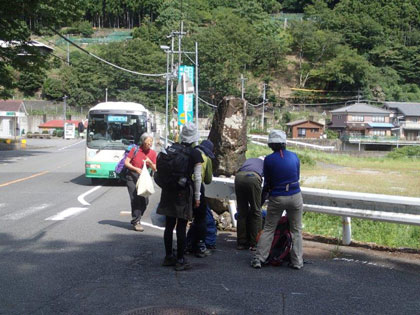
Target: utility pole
x=65, y=114
x=263, y=107
x=106, y=95
x=242, y=86
x=167, y=50
x=196, y=83
x=172, y=69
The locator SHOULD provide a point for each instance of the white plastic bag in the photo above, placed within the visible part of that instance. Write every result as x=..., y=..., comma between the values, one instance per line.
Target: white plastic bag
x=144, y=185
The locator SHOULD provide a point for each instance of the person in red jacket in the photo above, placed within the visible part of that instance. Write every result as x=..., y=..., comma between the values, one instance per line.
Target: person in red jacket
x=134, y=162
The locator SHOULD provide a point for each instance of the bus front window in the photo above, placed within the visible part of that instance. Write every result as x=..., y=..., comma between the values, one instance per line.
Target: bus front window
x=114, y=131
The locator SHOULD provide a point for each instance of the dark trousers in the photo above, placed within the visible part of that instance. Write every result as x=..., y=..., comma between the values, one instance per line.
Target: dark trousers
x=198, y=228
x=138, y=203
x=248, y=198
x=181, y=227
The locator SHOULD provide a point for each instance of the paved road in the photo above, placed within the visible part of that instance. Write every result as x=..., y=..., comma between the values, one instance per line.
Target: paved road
x=67, y=247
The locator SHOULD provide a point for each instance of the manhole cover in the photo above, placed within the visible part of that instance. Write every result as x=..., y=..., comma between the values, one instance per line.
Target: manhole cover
x=165, y=310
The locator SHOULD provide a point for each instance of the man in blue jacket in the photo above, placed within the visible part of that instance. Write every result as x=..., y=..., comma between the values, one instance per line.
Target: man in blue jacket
x=281, y=180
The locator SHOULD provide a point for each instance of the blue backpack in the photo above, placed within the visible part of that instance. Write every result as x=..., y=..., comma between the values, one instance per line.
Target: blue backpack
x=120, y=169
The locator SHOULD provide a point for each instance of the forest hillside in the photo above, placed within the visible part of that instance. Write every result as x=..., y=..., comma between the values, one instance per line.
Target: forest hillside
x=308, y=52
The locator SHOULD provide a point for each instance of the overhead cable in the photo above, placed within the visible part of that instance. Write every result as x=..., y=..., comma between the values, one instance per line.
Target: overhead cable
x=105, y=61
x=211, y=105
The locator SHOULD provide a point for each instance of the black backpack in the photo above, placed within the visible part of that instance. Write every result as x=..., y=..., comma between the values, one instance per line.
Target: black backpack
x=173, y=167
x=282, y=243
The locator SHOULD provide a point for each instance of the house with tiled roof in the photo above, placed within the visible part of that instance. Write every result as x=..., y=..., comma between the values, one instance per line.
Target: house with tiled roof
x=361, y=119
x=305, y=128
x=406, y=118
x=13, y=118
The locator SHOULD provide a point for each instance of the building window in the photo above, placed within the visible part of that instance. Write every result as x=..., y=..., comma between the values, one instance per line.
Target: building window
x=301, y=132
x=378, y=118
x=314, y=130
x=357, y=118
x=379, y=133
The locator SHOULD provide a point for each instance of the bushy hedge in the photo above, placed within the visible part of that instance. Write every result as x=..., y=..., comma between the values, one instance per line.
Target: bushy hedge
x=405, y=152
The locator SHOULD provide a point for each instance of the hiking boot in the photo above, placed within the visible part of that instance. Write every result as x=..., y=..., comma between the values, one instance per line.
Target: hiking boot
x=182, y=264
x=202, y=252
x=253, y=248
x=169, y=261
x=137, y=227
x=256, y=263
x=294, y=266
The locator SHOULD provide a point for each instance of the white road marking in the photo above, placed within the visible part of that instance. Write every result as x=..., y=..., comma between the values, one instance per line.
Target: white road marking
x=153, y=226
x=70, y=145
x=364, y=262
x=24, y=213
x=70, y=212
x=144, y=223
x=82, y=196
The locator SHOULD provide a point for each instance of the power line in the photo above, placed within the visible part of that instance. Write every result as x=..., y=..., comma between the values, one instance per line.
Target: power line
x=105, y=61
x=207, y=103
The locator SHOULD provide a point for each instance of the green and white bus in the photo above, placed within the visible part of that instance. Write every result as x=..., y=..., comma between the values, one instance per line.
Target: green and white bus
x=112, y=127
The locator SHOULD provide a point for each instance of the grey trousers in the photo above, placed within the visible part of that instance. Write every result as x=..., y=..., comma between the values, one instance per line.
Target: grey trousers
x=294, y=208
x=248, y=197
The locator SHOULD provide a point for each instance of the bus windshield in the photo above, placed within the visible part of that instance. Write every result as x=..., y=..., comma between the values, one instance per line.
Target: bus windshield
x=115, y=131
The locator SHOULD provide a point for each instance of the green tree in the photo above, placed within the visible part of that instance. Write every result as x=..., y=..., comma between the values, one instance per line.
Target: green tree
x=53, y=89
x=30, y=82
x=314, y=48
x=19, y=20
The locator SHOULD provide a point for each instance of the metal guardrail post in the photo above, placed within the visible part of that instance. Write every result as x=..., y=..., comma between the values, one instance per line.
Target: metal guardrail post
x=232, y=210
x=346, y=230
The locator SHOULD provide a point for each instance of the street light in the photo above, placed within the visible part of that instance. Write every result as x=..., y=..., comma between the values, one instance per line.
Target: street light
x=167, y=50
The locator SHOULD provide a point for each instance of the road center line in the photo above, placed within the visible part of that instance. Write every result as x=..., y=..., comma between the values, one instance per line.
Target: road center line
x=22, y=179
x=82, y=196
x=70, y=145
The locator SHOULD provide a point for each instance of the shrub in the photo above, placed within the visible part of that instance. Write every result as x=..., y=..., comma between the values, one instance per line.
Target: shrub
x=306, y=159
x=405, y=152
x=331, y=134
x=60, y=133
x=45, y=132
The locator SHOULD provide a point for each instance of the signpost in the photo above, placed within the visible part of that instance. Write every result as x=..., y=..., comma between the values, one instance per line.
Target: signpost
x=185, y=91
x=69, y=131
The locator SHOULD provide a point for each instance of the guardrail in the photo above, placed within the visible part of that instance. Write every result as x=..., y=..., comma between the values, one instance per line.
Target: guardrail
x=377, y=207
x=297, y=143
x=388, y=208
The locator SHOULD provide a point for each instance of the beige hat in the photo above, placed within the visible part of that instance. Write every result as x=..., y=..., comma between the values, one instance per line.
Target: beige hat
x=189, y=133
x=277, y=136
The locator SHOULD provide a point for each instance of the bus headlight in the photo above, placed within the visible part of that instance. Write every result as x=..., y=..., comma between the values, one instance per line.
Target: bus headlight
x=93, y=165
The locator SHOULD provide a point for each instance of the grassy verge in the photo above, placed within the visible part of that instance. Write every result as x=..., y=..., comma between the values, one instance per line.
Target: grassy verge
x=400, y=176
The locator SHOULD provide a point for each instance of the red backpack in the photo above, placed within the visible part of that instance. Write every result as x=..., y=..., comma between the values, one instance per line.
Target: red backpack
x=282, y=243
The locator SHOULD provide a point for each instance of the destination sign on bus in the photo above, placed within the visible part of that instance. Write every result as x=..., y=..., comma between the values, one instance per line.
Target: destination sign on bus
x=117, y=118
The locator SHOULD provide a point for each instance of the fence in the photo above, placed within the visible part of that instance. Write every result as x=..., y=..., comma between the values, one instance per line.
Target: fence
x=388, y=208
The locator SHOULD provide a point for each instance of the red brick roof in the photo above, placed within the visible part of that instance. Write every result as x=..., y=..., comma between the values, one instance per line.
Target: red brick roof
x=57, y=123
x=11, y=105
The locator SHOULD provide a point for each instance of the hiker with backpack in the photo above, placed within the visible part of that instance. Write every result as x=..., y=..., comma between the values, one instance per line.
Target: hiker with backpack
x=134, y=163
x=196, y=235
x=180, y=192
x=248, y=189
x=281, y=174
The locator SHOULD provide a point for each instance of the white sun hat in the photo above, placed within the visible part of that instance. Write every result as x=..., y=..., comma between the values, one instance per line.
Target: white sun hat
x=277, y=136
